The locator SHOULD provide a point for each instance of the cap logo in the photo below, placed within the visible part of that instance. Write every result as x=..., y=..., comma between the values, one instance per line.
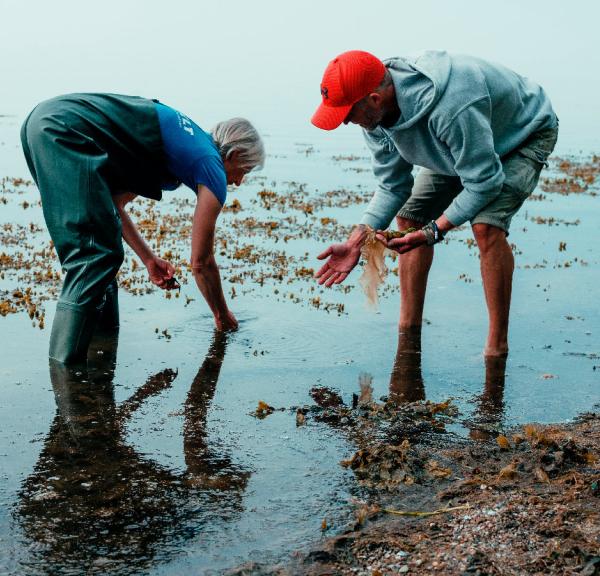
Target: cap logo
x=325, y=93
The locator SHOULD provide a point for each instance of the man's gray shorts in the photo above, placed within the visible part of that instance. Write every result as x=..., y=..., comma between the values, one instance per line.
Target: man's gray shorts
x=432, y=193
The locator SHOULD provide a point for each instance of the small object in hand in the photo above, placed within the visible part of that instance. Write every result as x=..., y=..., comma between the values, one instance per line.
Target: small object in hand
x=391, y=234
x=172, y=284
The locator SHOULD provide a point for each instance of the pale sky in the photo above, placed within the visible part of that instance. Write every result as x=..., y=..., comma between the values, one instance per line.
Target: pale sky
x=264, y=59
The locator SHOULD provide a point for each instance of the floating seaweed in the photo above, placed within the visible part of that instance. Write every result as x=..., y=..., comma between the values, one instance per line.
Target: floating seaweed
x=375, y=270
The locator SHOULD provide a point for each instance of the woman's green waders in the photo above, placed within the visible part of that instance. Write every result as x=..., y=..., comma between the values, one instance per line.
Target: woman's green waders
x=80, y=149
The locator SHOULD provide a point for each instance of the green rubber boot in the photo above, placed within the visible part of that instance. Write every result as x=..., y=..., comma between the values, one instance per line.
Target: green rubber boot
x=72, y=331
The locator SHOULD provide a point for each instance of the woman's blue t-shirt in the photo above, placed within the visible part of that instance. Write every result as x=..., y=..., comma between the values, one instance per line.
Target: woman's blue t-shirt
x=192, y=156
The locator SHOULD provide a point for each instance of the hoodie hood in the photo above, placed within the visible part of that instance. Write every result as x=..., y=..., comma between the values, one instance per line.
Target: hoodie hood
x=419, y=83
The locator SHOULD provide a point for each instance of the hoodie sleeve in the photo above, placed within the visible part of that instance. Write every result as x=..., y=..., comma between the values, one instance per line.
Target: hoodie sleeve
x=471, y=143
x=395, y=181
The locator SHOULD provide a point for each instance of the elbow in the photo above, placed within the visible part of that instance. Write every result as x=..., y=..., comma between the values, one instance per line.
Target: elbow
x=201, y=264
x=121, y=199
x=119, y=204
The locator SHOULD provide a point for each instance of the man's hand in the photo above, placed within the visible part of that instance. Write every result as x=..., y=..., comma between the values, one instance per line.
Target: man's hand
x=404, y=244
x=226, y=322
x=160, y=272
x=342, y=259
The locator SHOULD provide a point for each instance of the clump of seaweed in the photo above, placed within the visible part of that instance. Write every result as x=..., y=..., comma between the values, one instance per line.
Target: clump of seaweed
x=263, y=410
x=392, y=439
x=384, y=466
x=375, y=270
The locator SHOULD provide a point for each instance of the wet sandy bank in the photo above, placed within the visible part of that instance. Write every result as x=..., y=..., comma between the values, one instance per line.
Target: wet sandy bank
x=524, y=503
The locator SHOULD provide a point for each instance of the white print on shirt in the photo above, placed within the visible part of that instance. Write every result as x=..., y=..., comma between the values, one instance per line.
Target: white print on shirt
x=186, y=124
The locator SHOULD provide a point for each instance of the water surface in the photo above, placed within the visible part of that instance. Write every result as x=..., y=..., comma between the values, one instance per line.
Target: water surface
x=148, y=459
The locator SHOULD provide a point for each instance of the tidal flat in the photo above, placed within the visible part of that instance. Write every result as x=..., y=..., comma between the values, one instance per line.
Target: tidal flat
x=157, y=457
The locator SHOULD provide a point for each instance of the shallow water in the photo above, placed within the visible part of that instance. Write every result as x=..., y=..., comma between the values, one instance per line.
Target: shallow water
x=149, y=460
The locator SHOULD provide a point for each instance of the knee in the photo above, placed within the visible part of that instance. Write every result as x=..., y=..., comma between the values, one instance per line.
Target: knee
x=489, y=237
x=404, y=223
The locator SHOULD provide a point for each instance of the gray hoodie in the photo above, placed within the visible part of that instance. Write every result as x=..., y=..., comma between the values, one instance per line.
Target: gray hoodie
x=459, y=116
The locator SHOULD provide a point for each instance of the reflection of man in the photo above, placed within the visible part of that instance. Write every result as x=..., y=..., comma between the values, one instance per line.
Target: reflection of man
x=407, y=385
x=481, y=134
x=406, y=378
x=92, y=496
x=489, y=413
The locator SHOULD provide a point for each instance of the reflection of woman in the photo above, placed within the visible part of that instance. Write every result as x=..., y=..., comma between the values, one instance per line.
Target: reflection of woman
x=91, y=154
x=92, y=496
x=204, y=465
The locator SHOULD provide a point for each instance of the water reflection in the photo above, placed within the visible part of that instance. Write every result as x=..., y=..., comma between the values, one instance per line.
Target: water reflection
x=407, y=385
x=489, y=414
x=205, y=466
x=93, y=502
x=406, y=378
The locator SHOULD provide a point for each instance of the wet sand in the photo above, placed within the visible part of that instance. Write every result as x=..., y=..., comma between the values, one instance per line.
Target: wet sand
x=526, y=503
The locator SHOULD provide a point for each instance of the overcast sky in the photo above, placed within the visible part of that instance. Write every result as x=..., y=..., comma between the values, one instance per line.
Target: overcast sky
x=264, y=59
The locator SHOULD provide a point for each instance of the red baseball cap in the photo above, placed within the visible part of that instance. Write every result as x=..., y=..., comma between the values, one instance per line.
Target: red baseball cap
x=347, y=79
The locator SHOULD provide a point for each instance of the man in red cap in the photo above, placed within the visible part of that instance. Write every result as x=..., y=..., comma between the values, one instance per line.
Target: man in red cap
x=480, y=134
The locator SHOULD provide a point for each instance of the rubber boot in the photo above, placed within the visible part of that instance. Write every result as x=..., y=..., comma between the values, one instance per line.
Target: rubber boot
x=86, y=415
x=109, y=315
x=72, y=331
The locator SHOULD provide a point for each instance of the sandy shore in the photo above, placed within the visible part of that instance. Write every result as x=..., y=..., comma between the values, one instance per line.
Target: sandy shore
x=527, y=502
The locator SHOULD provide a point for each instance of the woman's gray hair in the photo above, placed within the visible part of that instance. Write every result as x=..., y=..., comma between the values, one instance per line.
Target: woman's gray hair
x=238, y=135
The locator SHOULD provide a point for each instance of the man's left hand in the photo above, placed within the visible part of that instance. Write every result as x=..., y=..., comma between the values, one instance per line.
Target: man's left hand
x=404, y=244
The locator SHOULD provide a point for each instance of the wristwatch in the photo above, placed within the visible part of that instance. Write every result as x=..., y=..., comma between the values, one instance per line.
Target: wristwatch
x=432, y=233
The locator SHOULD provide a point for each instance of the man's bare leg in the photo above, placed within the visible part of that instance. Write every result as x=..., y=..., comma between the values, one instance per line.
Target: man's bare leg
x=413, y=270
x=497, y=265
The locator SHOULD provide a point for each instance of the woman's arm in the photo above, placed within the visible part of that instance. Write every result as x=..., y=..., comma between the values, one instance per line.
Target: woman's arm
x=160, y=271
x=204, y=265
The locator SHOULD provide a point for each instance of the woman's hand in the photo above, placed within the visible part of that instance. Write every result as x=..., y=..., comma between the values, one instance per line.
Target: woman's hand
x=226, y=322
x=160, y=273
